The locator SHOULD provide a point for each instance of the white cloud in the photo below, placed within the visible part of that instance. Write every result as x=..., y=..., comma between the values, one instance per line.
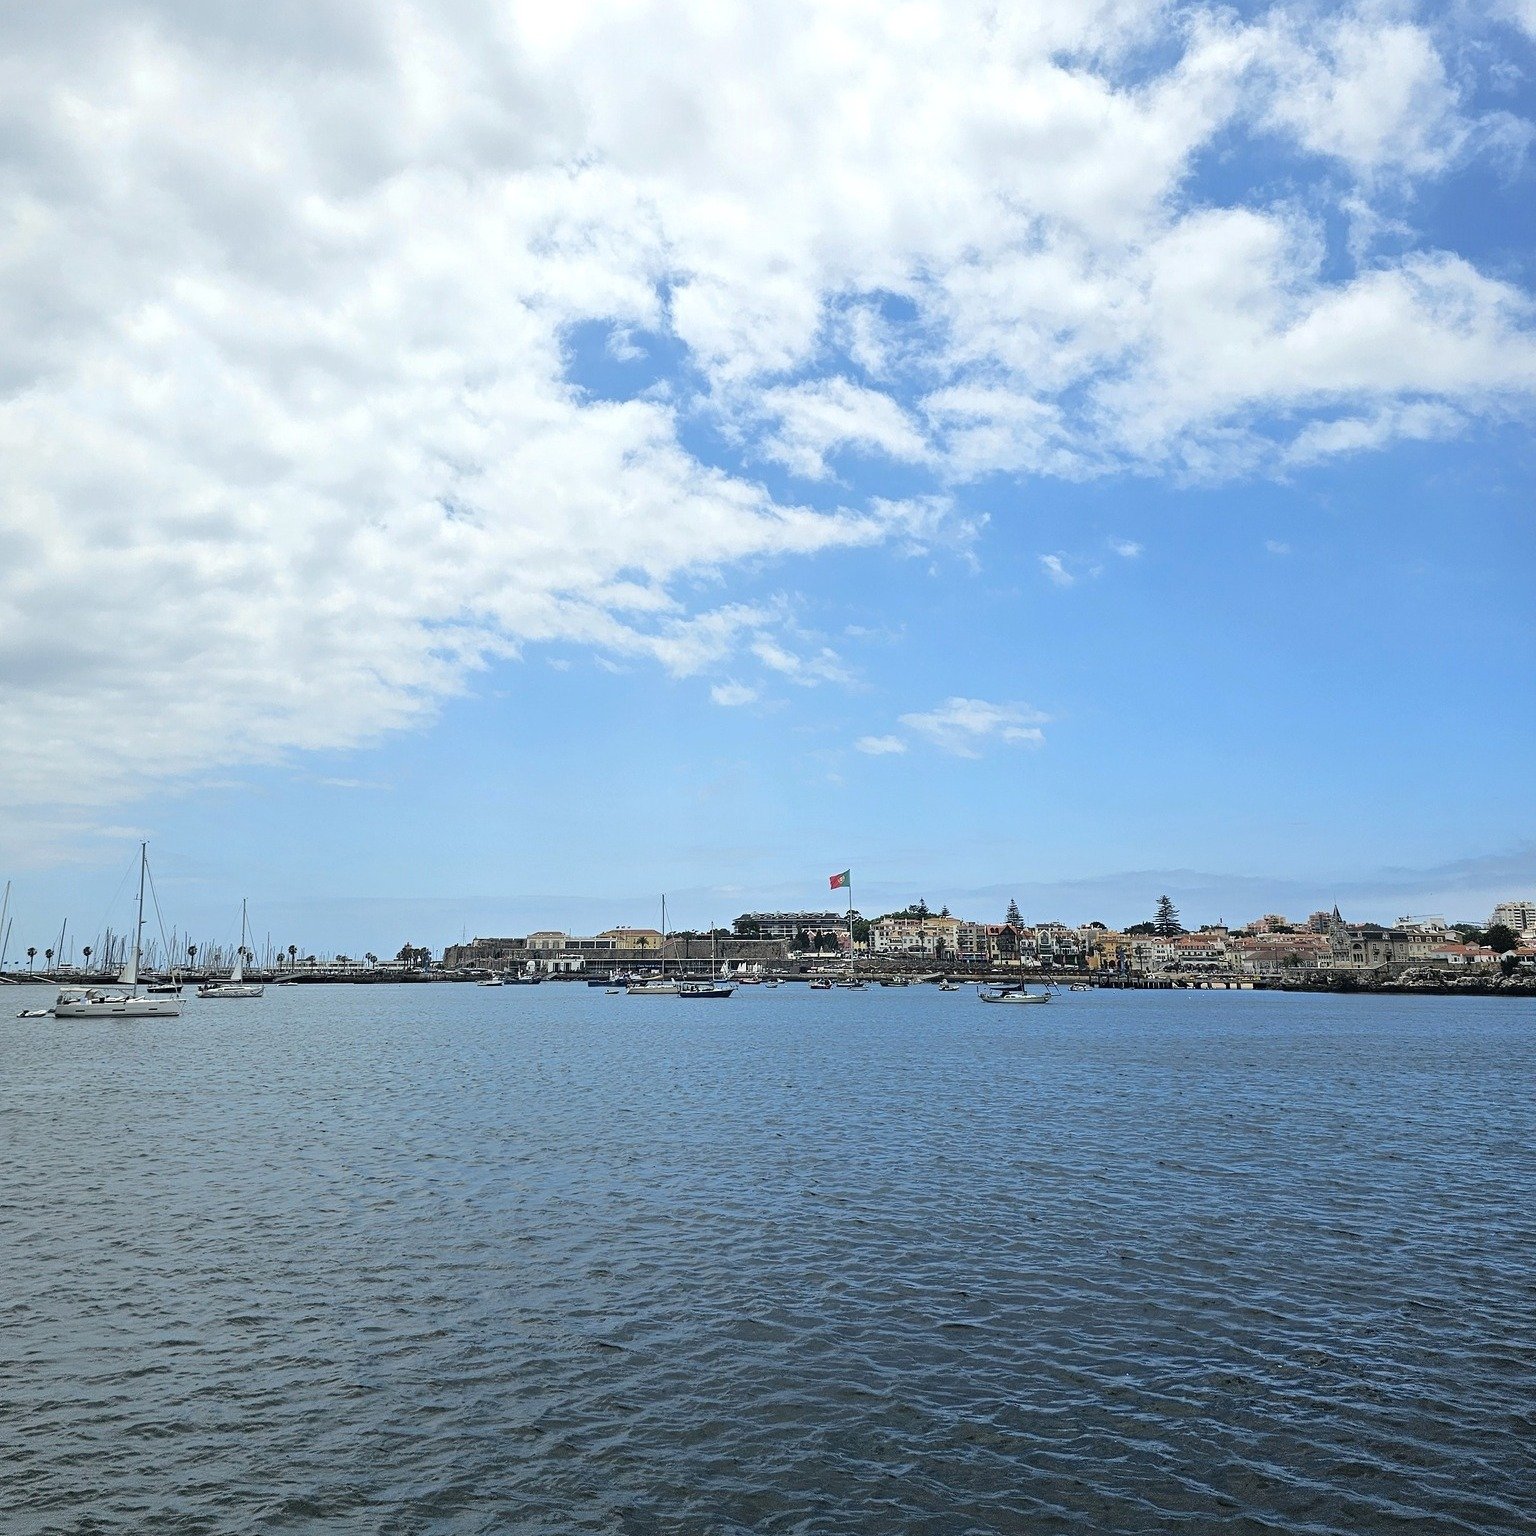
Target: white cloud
x=881, y=746
x=1055, y=566
x=1373, y=93
x=965, y=726
x=1321, y=440
x=1276, y=547
x=817, y=419
x=291, y=438
x=1127, y=549
x=825, y=666
x=1522, y=13
x=732, y=695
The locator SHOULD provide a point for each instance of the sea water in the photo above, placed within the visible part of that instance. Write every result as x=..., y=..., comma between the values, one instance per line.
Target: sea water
x=447, y=1258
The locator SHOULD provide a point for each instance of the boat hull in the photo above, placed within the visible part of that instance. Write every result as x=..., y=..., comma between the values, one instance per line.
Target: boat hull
x=109, y=1007
x=229, y=989
x=1015, y=997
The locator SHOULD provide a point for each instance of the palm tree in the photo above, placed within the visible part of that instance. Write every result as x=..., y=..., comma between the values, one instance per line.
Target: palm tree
x=293, y=955
x=191, y=955
x=372, y=960
x=31, y=956
x=85, y=954
x=48, y=957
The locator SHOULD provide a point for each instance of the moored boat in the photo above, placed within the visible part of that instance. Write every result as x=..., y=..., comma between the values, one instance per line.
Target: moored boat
x=1014, y=995
x=236, y=985
x=102, y=1003
x=703, y=989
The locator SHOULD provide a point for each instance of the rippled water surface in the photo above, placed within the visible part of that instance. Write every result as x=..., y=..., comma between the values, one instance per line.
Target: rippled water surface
x=544, y=1260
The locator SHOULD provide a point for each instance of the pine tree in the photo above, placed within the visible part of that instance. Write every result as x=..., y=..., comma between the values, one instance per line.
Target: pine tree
x=1012, y=917
x=1166, y=919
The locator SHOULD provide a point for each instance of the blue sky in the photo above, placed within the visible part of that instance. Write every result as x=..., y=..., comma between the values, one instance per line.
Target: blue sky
x=1071, y=458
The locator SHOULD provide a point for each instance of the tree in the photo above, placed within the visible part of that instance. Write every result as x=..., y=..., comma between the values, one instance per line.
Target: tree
x=293, y=955
x=747, y=927
x=191, y=955
x=1165, y=920
x=48, y=957
x=85, y=954
x=1141, y=930
x=31, y=956
x=1012, y=916
x=861, y=930
x=1501, y=939
x=372, y=960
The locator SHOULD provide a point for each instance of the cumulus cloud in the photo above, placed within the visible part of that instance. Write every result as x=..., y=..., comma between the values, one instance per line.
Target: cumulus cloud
x=965, y=726
x=293, y=440
x=881, y=746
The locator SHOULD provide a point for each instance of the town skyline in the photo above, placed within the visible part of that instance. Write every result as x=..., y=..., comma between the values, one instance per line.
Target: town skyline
x=381, y=924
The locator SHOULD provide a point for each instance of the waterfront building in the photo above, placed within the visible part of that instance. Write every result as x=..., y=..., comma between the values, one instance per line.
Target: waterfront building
x=788, y=926
x=907, y=934
x=1280, y=954
x=1451, y=953
x=981, y=943
x=1200, y=951
x=1520, y=916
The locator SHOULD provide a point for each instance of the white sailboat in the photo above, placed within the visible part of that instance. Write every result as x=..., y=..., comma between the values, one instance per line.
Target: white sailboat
x=237, y=985
x=99, y=1003
x=1014, y=995
x=656, y=986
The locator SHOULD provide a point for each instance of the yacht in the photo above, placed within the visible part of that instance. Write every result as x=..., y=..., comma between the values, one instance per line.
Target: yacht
x=1014, y=995
x=102, y=1003
x=703, y=989
x=236, y=985
x=656, y=986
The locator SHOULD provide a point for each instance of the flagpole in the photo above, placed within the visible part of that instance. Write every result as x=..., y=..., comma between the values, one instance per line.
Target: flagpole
x=850, y=923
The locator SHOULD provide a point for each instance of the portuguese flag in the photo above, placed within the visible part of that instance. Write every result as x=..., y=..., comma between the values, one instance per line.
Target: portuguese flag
x=837, y=882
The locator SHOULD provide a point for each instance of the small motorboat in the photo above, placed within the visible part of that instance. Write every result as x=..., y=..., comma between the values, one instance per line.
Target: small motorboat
x=35, y=1013
x=821, y=984
x=949, y=986
x=490, y=981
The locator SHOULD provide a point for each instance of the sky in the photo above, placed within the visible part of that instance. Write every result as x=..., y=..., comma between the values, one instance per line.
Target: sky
x=475, y=466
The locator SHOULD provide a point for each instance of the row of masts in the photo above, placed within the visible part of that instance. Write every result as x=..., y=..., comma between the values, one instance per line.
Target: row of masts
x=110, y=952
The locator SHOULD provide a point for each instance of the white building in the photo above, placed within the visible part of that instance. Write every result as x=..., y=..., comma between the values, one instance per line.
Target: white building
x=1517, y=915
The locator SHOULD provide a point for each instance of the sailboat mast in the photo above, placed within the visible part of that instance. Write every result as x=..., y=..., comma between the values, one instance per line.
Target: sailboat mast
x=663, y=938
x=138, y=932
